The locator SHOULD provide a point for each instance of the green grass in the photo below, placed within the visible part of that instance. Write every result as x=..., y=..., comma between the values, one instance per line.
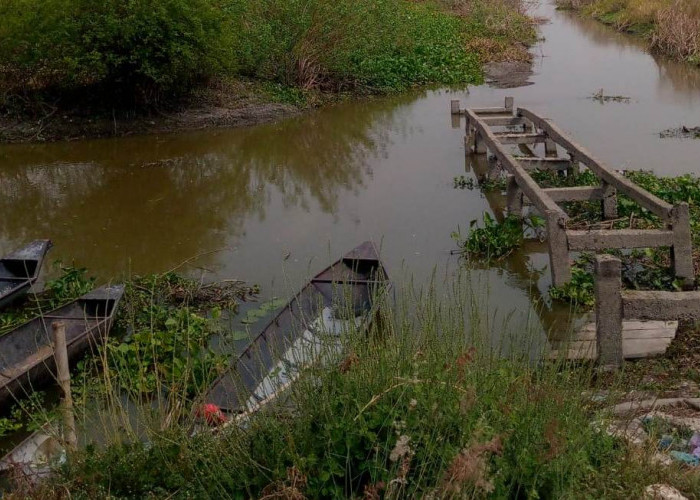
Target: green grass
x=423, y=405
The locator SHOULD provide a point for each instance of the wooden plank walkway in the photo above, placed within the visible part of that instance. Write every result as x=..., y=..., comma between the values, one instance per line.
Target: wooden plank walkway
x=640, y=339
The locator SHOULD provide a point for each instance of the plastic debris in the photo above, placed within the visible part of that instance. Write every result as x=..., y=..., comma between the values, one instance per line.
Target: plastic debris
x=665, y=442
x=695, y=445
x=686, y=458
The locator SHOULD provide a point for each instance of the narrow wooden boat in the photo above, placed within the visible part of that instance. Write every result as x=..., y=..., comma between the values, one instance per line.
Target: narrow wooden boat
x=20, y=269
x=26, y=353
x=342, y=298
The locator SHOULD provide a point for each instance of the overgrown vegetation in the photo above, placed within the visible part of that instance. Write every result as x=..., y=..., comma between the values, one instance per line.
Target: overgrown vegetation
x=71, y=283
x=671, y=26
x=422, y=407
x=136, y=53
x=495, y=240
x=648, y=269
x=159, y=348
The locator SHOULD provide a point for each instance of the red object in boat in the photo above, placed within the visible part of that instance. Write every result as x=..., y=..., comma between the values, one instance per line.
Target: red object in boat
x=212, y=414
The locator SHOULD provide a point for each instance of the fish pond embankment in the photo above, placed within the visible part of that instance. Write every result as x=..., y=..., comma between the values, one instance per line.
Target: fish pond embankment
x=670, y=27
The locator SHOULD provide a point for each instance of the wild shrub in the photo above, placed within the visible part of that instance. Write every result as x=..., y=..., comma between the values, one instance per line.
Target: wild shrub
x=139, y=50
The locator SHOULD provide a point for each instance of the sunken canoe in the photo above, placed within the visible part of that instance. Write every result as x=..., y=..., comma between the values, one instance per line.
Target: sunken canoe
x=26, y=353
x=342, y=298
x=20, y=269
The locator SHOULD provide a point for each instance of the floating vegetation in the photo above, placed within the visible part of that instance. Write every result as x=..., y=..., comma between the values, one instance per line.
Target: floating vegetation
x=681, y=133
x=71, y=283
x=484, y=183
x=602, y=98
x=462, y=182
x=495, y=240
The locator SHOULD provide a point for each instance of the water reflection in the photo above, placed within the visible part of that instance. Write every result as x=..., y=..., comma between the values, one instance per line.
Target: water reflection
x=154, y=201
x=528, y=268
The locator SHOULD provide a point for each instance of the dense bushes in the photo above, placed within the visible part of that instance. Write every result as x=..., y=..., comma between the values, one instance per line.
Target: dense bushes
x=144, y=49
x=135, y=46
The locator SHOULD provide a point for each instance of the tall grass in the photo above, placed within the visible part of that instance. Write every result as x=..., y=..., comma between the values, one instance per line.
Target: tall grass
x=671, y=26
x=426, y=405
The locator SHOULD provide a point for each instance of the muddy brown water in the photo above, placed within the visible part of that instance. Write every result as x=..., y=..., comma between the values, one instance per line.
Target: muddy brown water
x=274, y=204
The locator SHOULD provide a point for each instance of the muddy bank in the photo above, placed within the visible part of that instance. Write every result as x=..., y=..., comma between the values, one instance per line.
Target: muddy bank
x=229, y=105
x=508, y=74
x=234, y=104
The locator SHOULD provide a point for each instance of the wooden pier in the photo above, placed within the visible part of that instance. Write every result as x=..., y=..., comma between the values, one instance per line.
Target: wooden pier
x=562, y=153
x=628, y=324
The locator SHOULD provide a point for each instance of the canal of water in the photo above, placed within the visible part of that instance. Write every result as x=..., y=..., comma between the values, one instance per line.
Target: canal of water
x=274, y=204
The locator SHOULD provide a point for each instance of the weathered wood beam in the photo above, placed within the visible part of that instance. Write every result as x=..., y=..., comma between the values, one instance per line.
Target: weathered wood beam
x=620, y=182
x=510, y=138
x=581, y=193
x=601, y=239
x=637, y=304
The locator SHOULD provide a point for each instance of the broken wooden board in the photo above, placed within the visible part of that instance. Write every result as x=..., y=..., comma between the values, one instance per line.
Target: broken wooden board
x=640, y=339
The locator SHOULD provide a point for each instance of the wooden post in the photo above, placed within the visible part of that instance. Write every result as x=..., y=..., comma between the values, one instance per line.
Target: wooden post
x=454, y=106
x=609, y=201
x=514, y=197
x=63, y=371
x=558, y=248
x=682, y=250
x=608, y=310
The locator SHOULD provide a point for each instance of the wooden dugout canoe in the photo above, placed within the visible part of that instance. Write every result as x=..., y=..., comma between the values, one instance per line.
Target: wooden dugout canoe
x=26, y=353
x=20, y=269
x=341, y=298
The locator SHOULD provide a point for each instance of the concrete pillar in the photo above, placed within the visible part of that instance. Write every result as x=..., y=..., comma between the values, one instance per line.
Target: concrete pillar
x=558, y=246
x=609, y=201
x=550, y=148
x=608, y=310
x=514, y=197
x=470, y=139
x=682, y=251
x=510, y=102
x=574, y=169
x=480, y=146
x=454, y=106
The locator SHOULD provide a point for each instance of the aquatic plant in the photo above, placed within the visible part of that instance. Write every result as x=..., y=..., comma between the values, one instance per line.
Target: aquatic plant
x=71, y=283
x=495, y=240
